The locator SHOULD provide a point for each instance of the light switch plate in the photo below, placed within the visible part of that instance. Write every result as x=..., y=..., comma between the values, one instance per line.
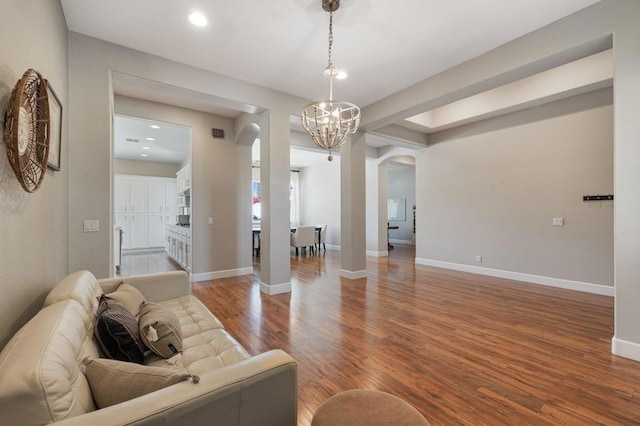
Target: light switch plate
x=210, y=221
x=91, y=226
x=558, y=221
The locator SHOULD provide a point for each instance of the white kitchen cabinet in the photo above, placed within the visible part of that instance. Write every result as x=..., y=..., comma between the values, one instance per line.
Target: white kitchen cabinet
x=138, y=196
x=178, y=244
x=183, y=179
x=155, y=195
x=130, y=194
x=138, y=232
x=155, y=236
x=121, y=194
x=171, y=199
x=143, y=206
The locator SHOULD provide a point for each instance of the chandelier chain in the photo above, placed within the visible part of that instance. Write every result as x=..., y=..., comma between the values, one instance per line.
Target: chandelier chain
x=330, y=65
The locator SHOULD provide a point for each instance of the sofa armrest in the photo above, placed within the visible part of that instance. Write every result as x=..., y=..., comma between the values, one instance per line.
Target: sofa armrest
x=154, y=287
x=261, y=390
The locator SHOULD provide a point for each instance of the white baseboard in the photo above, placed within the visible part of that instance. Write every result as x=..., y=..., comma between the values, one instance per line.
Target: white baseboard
x=625, y=349
x=353, y=275
x=604, y=290
x=330, y=247
x=206, y=276
x=401, y=242
x=377, y=253
x=272, y=289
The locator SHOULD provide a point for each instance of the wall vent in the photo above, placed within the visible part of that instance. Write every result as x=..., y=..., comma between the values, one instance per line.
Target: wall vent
x=217, y=133
x=133, y=140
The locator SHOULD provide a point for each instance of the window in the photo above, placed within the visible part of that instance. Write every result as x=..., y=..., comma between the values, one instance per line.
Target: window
x=256, y=197
x=294, y=200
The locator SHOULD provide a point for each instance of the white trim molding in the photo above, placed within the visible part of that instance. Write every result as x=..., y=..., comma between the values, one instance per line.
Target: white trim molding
x=625, y=349
x=206, y=276
x=353, y=275
x=378, y=253
x=603, y=290
x=272, y=289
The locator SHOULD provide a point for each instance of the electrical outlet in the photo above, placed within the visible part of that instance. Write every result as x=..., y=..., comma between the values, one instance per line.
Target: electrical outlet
x=210, y=221
x=478, y=258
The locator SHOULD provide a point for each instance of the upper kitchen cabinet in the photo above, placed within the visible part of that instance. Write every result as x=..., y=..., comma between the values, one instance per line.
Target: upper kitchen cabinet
x=130, y=195
x=183, y=180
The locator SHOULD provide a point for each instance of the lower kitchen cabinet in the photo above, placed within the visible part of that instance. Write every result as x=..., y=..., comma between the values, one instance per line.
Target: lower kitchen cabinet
x=177, y=242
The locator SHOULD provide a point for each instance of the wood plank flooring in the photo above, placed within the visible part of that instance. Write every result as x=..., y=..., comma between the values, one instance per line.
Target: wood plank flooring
x=461, y=348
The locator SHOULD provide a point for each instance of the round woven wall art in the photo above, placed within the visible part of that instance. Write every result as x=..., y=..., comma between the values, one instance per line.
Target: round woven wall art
x=26, y=130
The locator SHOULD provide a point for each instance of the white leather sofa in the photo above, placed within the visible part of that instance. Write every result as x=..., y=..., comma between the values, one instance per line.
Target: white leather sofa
x=42, y=379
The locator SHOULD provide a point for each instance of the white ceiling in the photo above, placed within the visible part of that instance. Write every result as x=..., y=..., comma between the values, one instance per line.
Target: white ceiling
x=171, y=143
x=282, y=44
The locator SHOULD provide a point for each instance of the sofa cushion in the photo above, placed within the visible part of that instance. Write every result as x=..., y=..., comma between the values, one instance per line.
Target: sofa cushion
x=80, y=286
x=160, y=329
x=40, y=375
x=205, y=344
x=129, y=296
x=194, y=317
x=117, y=333
x=113, y=382
x=210, y=350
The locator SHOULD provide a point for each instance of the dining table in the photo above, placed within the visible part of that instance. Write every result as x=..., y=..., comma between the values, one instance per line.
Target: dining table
x=255, y=238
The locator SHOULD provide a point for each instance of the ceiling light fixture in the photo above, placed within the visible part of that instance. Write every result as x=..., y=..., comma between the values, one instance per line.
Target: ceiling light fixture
x=151, y=139
x=154, y=126
x=198, y=19
x=146, y=147
x=330, y=122
x=143, y=155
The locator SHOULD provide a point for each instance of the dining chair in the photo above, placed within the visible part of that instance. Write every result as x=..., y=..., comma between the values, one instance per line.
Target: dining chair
x=322, y=236
x=305, y=236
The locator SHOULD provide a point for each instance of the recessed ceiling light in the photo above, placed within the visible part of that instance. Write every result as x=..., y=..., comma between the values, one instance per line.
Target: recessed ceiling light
x=153, y=126
x=145, y=147
x=143, y=155
x=198, y=19
x=150, y=139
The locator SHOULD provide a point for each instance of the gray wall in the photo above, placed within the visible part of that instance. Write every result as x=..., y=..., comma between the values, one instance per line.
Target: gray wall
x=401, y=184
x=92, y=67
x=144, y=168
x=221, y=185
x=34, y=249
x=320, y=197
x=627, y=177
x=493, y=188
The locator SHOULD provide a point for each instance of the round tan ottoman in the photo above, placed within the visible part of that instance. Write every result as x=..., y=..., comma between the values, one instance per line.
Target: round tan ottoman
x=360, y=407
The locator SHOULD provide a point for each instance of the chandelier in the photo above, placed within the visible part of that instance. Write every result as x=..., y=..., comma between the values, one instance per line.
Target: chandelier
x=330, y=122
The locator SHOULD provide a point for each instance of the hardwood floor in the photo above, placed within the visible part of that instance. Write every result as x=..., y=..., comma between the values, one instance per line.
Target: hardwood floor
x=461, y=348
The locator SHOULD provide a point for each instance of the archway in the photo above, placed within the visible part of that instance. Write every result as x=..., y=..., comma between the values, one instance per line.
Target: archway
x=378, y=194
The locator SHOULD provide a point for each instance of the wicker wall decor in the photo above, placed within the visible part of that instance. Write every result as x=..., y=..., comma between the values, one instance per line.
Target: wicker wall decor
x=26, y=130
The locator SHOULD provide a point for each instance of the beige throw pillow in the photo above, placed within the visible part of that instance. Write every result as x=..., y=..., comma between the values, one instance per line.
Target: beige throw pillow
x=160, y=330
x=113, y=382
x=129, y=296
